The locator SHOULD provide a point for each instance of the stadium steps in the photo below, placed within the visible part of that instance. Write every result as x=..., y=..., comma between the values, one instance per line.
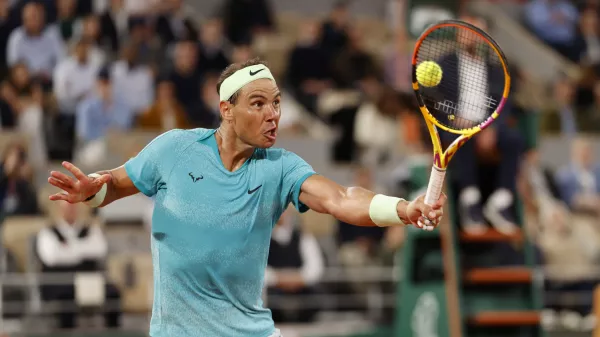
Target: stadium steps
x=462, y=278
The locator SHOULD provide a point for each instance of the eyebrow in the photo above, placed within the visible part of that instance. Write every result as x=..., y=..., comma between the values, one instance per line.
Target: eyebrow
x=263, y=96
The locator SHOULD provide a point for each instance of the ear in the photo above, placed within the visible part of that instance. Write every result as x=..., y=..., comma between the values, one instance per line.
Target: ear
x=226, y=110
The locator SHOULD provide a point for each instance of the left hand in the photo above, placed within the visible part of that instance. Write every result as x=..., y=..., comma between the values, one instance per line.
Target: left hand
x=425, y=216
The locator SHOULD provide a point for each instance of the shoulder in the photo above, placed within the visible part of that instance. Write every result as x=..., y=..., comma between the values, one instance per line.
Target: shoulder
x=177, y=140
x=278, y=154
x=17, y=33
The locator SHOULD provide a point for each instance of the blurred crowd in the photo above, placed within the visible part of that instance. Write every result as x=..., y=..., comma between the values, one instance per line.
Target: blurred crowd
x=73, y=71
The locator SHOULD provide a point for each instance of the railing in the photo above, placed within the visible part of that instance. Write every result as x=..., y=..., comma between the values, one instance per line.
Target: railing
x=376, y=295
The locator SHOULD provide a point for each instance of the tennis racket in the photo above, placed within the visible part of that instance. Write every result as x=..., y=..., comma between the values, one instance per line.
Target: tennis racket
x=461, y=89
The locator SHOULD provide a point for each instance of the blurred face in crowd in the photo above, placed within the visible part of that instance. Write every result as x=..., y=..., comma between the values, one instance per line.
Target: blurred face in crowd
x=589, y=22
x=339, y=15
x=69, y=212
x=130, y=54
x=355, y=36
x=104, y=88
x=82, y=51
x=241, y=53
x=186, y=56
x=255, y=113
x=309, y=33
x=33, y=18
x=211, y=32
x=66, y=8
x=583, y=153
x=116, y=5
x=91, y=28
x=4, y=6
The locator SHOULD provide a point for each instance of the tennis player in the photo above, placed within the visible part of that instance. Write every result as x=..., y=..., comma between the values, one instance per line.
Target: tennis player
x=218, y=194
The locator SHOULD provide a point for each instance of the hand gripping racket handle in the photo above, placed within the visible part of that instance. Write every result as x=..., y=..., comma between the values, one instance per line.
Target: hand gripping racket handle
x=436, y=183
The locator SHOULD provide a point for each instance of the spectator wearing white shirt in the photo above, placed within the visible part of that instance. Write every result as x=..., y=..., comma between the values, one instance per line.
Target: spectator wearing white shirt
x=294, y=268
x=40, y=47
x=75, y=77
x=132, y=81
x=71, y=246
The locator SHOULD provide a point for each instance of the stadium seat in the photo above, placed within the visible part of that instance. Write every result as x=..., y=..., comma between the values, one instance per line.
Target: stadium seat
x=127, y=144
x=136, y=293
x=16, y=234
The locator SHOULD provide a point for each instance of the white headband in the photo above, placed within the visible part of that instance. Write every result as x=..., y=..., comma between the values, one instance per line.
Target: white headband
x=242, y=77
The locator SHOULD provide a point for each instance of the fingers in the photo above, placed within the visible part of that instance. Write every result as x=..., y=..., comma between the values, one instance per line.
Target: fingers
x=74, y=170
x=430, y=216
x=69, y=181
x=59, y=196
x=60, y=184
x=103, y=179
x=441, y=201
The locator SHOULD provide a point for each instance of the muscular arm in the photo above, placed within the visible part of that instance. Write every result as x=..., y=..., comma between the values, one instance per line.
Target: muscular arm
x=119, y=186
x=347, y=204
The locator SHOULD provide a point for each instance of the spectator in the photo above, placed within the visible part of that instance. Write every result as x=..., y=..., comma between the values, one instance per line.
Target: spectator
x=17, y=194
x=72, y=245
x=166, y=113
x=133, y=80
x=176, y=25
x=7, y=113
x=212, y=56
x=579, y=183
x=8, y=22
x=89, y=30
x=564, y=96
x=353, y=63
x=31, y=124
x=185, y=75
x=148, y=48
x=334, y=33
x=294, y=267
x=66, y=10
x=500, y=140
x=206, y=112
x=102, y=111
x=378, y=112
x=308, y=68
x=398, y=62
x=39, y=47
x=75, y=77
x=241, y=53
x=244, y=19
x=555, y=23
x=589, y=39
x=113, y=23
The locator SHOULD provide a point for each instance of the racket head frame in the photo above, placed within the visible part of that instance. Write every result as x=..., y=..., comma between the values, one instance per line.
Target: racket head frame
x=442, y=158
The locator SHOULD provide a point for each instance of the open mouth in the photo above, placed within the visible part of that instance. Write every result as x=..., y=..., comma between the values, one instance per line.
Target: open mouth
x=271, y=134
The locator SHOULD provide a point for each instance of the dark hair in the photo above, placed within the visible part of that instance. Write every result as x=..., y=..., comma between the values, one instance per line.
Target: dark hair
x=232, y=69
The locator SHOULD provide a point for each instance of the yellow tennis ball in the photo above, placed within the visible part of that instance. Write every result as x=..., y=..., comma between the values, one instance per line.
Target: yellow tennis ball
x=429, y=74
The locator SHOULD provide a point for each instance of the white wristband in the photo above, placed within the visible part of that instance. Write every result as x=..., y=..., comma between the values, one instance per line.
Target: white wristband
x=384, y=211
x=98, y=198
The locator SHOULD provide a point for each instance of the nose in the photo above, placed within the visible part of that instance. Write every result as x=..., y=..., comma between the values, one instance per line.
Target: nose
x=272, y=114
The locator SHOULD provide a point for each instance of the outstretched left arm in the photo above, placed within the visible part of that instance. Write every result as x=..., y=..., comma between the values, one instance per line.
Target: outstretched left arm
x=353, y=204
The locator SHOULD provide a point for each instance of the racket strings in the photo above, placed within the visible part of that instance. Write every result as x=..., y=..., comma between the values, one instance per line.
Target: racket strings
x=466, y=96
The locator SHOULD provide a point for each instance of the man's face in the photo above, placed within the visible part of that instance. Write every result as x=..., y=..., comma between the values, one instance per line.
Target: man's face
x=255, y=116
x=33, y=18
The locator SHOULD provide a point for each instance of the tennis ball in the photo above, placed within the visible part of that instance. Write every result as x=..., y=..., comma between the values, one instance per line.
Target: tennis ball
x=429, y=74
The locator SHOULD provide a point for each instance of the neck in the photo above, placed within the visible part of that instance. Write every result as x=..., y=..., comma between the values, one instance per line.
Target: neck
x=232, y=150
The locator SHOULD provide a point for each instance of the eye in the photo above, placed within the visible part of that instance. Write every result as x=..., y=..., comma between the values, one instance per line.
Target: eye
x=276, y=102
x=257, y=104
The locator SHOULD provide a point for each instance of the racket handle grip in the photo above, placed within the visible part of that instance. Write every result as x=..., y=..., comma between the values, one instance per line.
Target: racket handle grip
x=434, y=188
